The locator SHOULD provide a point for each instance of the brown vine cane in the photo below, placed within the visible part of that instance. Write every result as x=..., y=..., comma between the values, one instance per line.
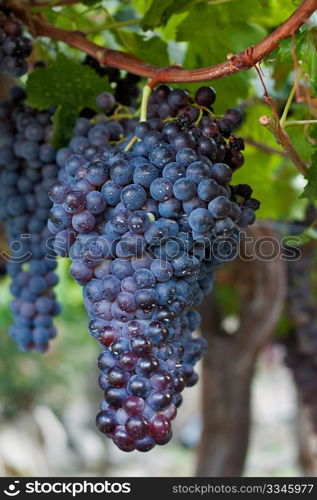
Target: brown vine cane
x=122, y=60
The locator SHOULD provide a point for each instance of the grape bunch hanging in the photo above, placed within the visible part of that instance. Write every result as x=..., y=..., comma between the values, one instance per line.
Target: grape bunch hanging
x=14, y=46
x=146, y=213
x=28, y=169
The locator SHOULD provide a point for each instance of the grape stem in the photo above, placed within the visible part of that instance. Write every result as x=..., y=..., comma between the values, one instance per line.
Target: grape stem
x=292, y=123
x=288, y=103
x=145, y=101
x=264, y=147
x=117, y=59
x=130, y=144
x=147, y=90
x=283, y=139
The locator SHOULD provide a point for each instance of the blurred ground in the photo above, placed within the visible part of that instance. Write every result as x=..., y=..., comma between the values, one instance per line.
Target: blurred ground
x=40, y=443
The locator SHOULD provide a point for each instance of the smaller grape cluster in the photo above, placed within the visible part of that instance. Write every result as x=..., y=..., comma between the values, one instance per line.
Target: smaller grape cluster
x=14, y=46
x=144, y=229
x=27, y=171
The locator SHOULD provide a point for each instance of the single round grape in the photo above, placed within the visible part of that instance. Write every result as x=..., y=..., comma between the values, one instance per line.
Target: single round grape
x=208, y=189
x=106, y=421
x=136, y=427
x=146, y=299
x=144, y=173
x=161, y=189
x=159, y=400
x=95, y=202
x=171, y=129
x=157, y=332
x=122, y=172
x=200, y=220
x=222, y=173
x=133, y=197
x=74, y=202
x=247, y=217
x=127, y=360
x=111, y=193
x=134, y=405
x=144, y=278
x=197, y=171
x=147, y=365
x=126, y=302
x=178, y=98
x=139, y=386
x=139, y=221
x=205, y=96
x=83, y=222
x=234, y=115
x=121, y=268
x=105, y=101
x=122, y=439
x=115, y=396
x=161, y=156
x=116, y=377
x=219, y=207
x=110, y=287
x=184, y=189
x=161, y=380
x=170, y=209
x=141, y=346
x=145, y=444
x=162, y=270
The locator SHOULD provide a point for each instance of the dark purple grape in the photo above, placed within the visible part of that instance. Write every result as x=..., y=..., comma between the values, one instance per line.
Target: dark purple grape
x=205, y=96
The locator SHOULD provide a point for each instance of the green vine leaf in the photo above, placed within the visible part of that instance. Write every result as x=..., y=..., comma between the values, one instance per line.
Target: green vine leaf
x=63, y=122
x=300, y=239
x=161, y=11
x=310, y=191
x=152, y=50
x=205, y=49
x=68, y=86
x=304, y=45
x=90, y=2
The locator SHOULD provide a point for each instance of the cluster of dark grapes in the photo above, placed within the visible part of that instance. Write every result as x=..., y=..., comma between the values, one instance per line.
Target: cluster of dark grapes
x=125, y=88
x=145, y=229
x=301, y=342
x=14, y=47
x=28, y=169
x=165, y=102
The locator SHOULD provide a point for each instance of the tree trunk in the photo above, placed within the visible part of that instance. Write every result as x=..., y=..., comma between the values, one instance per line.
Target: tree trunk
x=229, y=364
x=226, y=404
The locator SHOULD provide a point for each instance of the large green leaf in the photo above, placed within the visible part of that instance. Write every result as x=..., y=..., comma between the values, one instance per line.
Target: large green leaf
x=161, y=11
x=91, y=2
x=156, y=14
x=304, y=45
x=209, y=42
x=310, y=190
x=63, y=122
x=151, y=50
x=68, y=86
